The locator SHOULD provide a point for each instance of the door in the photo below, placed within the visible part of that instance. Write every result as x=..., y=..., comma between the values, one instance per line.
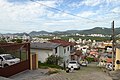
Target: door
x=34, y=62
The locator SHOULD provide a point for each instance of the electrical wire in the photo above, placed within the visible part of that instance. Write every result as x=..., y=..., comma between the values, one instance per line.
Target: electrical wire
x=89, y=20
x=64, y=11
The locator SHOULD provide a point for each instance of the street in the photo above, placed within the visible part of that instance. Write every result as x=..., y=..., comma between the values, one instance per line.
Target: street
x=92, y=72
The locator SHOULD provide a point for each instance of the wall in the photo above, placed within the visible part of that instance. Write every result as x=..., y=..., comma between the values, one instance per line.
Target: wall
x=117, y=66
x=42, y=54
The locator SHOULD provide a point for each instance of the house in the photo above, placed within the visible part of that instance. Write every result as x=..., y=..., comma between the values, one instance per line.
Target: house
x=77, y=55
x=45, y=50
x=66, y=49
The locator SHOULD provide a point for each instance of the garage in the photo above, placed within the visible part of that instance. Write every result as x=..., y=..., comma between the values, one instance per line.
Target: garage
x=18, y=50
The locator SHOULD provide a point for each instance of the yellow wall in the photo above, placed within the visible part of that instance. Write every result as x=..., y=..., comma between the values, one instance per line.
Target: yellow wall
x=37, y=61
x=30, y=61
x=117, y=66
x=31, y=68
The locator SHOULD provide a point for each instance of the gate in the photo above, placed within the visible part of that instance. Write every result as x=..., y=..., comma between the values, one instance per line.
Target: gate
x=34, y=61
x=25, y=60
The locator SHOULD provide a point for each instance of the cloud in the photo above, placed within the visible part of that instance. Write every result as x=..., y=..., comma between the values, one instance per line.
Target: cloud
x=28, y=16
x=86, y=14
x=14, y=15
x=24, y=11
x=116, y=10
x=92, y=2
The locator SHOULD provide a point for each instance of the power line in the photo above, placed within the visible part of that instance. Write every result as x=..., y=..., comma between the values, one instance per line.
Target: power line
x=65, y=12
x=92, y=21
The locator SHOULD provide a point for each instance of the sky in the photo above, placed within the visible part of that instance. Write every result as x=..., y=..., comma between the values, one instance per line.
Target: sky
x=57, y=15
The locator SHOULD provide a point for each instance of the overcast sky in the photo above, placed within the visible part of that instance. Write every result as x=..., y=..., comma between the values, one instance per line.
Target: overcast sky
x=57, y=15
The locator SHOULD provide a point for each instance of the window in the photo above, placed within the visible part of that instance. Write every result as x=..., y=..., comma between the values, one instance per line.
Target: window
x=64, y=51
x=1, y=58
x=9, y=57
x=55, y=50
x=68, y=48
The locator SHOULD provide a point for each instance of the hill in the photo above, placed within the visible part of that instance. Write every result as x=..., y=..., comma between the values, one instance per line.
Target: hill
x=96, y=30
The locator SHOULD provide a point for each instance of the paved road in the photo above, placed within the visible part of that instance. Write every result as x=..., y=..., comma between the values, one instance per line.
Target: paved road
x=85, y=73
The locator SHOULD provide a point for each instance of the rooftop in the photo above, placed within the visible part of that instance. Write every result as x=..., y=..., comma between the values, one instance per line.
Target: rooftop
x=62, y=42
x=49, y=46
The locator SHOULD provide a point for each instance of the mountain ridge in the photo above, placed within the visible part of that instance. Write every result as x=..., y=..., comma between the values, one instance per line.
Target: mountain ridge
x=96, y=30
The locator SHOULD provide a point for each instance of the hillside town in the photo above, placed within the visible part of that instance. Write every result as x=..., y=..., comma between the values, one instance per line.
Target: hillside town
x=85, y=52
x=59, y=39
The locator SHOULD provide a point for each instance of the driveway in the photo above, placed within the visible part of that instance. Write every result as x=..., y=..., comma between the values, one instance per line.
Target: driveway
x=30, y=74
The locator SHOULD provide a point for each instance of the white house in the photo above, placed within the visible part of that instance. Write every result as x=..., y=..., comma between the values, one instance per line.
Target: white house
x=65, y=49
x=45, y=50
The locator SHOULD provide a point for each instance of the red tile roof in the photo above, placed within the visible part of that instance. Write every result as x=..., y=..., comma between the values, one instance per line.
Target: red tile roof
x=62, y=42
x=93, y=52
x=109, y=60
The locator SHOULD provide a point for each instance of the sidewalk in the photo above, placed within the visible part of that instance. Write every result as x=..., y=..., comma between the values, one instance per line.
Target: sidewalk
x=30, y=74
x=55, y=77
x=115, y=74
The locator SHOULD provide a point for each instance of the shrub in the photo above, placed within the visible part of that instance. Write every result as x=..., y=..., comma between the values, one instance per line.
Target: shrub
x=45, y=66
x=54, y=60
x=89, y=59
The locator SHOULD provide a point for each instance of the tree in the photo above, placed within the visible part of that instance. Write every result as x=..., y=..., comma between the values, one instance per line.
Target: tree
x=17, y=40
x=2, y=40
x=54, y=60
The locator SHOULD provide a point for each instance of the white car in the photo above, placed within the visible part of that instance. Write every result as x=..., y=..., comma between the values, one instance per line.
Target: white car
x=73, y=64
x=109, y=66
x=7, y=60
x=83, y=63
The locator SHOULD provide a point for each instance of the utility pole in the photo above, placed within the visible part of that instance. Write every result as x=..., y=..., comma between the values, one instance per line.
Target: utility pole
x=113, y=44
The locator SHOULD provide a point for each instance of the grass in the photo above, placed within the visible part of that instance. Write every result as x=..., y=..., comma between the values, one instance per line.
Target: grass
x=45, y=66
x=52, y=69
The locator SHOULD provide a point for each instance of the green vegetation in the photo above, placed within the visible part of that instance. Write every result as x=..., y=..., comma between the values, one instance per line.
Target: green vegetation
x=46, y=66
x=89, y=59
x=51, y=62
x=2, y=40
x=17, y=54
x=44, y=37
x=17, y=40
x=54, y=60
x=77, y=37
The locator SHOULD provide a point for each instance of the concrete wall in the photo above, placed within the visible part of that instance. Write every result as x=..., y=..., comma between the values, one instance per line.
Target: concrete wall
x=44, y=54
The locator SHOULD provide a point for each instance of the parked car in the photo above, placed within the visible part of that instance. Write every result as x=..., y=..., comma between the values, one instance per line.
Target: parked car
x=83, y=63
x=7, y=60
x=73, y=64
x=109, y=66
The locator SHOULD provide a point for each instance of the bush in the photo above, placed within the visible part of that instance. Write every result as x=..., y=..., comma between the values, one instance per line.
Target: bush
x=54, y=60
x=46, y=66
x=89, y=59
